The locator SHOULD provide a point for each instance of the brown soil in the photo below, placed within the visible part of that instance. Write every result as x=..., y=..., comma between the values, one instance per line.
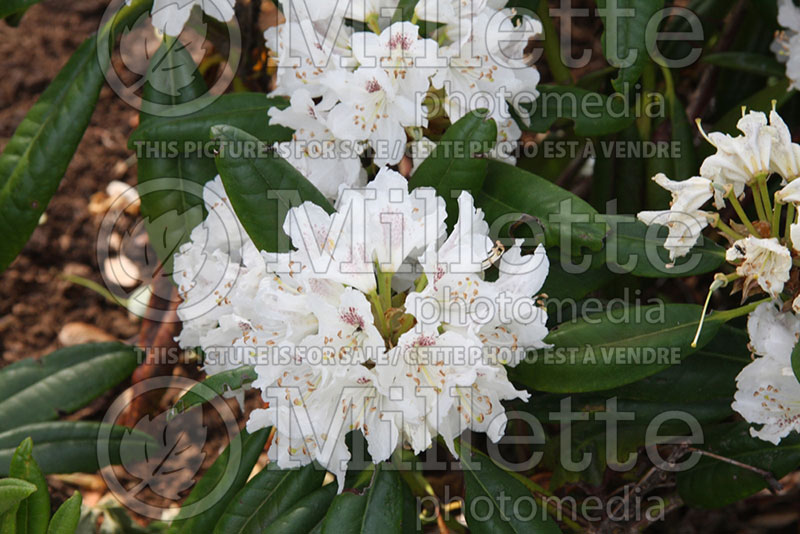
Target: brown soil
x=35, y=302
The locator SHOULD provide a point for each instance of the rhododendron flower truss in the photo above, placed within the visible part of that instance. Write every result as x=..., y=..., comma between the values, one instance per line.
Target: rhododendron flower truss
x=761, y=251
x=378, y=321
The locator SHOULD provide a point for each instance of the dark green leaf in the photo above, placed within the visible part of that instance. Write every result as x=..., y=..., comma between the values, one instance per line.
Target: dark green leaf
x=246, y=111
x=796, y=361
x=593, y=113
x=613, y=348
x=33, y=513
x=498, y=503
x=37, y=155
x=170, y=182
x=269, y=495
x=458, y=163
x=379, y=508
x=215, y=385
x=633, y=247
x=67, y=446
x=749, y=62
x=91, y=371
x=713, y=483
x=510, y=193
x=628, y=25
x=305, y=514
x=262, y=189
x=219, y=473
x=67, y=517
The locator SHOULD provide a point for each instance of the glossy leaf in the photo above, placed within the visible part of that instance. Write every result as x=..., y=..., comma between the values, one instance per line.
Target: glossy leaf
x=68, y=446
x=458, y=163
x=170, y=182
x=33, y=514
x=592, y=113
x=498, y=503
x=67, y=517
x=79, y=375
x=510, y=193
x=252, y=445
x=269, y=495
x=796, y=361
x=379, y=508
x=246, y=111
x=37, y=155
x=306, y=513
x=633, y=247
x=610, y=349
x=216, y=385
x=713, y=483
x=263, y=188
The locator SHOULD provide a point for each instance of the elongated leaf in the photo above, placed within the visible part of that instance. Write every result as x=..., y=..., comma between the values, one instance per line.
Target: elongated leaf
x=170, y=181
x=216, y=385
x=246, y=111
x=67, y=517
x=749, y=62
x=33, y=513
x=713, y=483
x=592, y=113
x=306, y=513
x=67, y=446
x=457, y=164
x=252, y=445
x=37, y=155
x=11, y=7
x=270, y=494
x=378, y=509
x=607, y=350
x=12, y=492
x=99, y=367
x=634, y=247
x=263, y=188
x=702, y=386
x=510, y=193
x=498, y=503
x=625, y=37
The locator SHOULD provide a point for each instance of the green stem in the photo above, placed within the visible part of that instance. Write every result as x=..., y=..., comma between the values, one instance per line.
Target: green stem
x=552, y=46
x=729, y=315
x=759, y=202
x=725, y=229
x=762, y=187
x=787, y=234
x=737, y=207
x=776, y=218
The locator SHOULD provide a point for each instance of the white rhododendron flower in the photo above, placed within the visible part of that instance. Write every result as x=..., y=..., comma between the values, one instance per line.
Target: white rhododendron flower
x=377, y=321
x=739, y=160
x=684, y=219
x=764, y=261
x=326, y=161
x=169, y=16
x=768, y=393
x=787, y=44
x=381, y=86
